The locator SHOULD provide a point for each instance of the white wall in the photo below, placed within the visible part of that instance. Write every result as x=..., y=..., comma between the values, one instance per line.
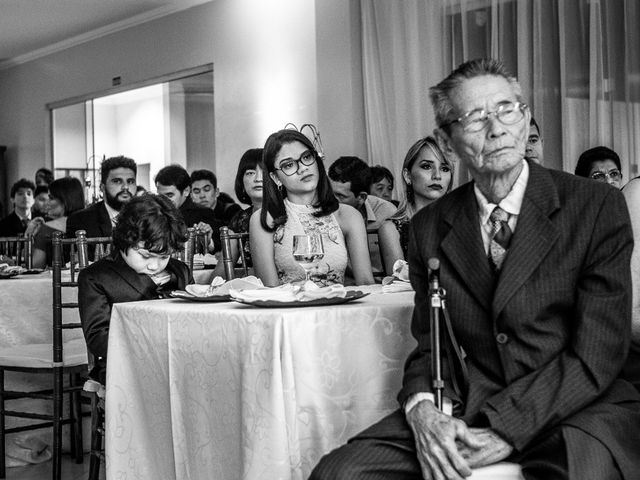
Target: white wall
x=269, y=57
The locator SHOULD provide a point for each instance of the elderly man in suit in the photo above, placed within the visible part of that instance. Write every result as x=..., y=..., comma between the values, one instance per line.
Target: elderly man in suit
x=538, y=293
x=118, y=185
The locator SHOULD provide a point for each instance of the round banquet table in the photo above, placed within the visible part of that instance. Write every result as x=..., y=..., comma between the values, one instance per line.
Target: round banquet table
x=231, y=391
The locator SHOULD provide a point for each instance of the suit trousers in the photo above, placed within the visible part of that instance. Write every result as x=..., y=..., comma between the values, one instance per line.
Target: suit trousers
x=386, y=451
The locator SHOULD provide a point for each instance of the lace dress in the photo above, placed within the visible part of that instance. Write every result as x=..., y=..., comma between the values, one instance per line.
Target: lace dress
x=300, y=221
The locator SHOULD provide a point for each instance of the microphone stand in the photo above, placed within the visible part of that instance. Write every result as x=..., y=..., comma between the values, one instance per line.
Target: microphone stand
x=437, y=295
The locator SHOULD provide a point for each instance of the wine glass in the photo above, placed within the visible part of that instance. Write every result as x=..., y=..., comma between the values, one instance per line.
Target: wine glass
x=308, y=251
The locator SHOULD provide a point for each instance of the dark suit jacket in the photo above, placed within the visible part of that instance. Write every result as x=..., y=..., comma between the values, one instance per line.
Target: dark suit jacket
x=546, y=341
x=110, y=281
x=194, y=214
x=11, y=225
x=94, y=219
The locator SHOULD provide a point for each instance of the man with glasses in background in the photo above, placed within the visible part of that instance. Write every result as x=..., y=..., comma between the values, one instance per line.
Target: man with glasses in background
x=535, y=263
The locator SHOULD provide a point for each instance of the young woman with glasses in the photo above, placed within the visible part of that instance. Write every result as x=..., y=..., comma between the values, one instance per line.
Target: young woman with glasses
x=298, y=200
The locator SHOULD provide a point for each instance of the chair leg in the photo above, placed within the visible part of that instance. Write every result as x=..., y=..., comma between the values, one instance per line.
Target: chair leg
x=3, y=472
x=57, y=423
x=96, y=438
x=75, y=414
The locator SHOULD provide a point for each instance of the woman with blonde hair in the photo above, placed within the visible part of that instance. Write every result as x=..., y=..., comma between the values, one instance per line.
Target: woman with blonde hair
x=427, y=175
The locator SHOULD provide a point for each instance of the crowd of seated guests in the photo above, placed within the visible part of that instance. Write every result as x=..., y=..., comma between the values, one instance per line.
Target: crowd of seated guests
x=45, y=206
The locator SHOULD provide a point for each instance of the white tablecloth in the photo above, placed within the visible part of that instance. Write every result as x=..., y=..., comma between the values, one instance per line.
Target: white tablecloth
x=228, y=391
x=26, y=317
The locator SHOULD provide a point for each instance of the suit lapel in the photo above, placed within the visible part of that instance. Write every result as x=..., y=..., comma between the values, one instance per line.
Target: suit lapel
x=462, y=245
x=142, y=283
x=104, y=221
x=534, y=236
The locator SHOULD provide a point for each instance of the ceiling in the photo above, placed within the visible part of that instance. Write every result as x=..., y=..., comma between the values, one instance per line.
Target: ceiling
x=33, y=28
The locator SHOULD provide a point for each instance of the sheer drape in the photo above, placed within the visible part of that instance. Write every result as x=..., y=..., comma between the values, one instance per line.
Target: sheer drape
x=578, y=62
x=402, y=57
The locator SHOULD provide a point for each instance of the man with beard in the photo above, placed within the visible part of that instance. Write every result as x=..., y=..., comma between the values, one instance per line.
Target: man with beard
x=118, y=185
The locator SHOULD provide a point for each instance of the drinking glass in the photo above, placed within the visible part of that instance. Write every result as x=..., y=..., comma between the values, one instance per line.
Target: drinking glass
x=308, y=251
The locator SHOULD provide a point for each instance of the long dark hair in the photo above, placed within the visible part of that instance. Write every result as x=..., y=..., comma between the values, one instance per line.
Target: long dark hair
x=273, y=198
x=69, y=192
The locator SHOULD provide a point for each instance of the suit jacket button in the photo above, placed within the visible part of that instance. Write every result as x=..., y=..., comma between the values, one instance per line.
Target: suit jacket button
x=502, y=338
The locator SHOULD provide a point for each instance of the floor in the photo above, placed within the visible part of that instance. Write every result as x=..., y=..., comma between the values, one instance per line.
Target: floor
x=70, y=470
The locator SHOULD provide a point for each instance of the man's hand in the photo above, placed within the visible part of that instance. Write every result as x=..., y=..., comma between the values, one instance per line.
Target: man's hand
x=208, y=235
x=493, y=448
x=436, y=435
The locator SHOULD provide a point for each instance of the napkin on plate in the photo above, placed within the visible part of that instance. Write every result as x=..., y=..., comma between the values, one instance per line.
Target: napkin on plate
x=219, y=287
x=311, y=293
x=290, y=293
x=399, y=281
x=283, y=293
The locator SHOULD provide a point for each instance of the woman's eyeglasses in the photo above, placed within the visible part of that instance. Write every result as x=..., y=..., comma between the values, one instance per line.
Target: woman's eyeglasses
x=614, y=175
x=291, y=166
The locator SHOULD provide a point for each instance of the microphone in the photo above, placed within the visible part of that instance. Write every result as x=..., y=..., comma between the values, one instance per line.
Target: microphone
x=434, y=273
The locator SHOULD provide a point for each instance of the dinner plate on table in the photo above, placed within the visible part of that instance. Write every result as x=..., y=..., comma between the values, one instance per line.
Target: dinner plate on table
x=32, y=271
x=350, y=296
x=193, y=298
x=5, y=275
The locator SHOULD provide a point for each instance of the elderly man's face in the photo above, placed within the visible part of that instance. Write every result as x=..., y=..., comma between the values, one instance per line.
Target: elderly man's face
x=497, y=148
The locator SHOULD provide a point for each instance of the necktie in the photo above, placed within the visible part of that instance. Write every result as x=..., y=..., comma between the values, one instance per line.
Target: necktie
x=500, y=237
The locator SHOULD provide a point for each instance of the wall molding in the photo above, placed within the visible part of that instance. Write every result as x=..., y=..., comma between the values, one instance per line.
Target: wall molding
x=101, y=32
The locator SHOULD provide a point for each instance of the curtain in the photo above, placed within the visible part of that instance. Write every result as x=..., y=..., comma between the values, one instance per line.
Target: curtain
x=402, y=58
x=578, y=62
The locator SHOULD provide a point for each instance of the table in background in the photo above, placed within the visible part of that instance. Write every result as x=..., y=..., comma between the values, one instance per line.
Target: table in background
x=26, y=303
x=229, y=391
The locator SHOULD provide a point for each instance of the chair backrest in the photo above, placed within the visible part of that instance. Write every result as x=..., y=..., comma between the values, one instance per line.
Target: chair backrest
x=19, y=249
x=233, y=252
x=102, y=247
x=185, y=254
x=58, y=243
x=77, y=251
x=374, y=245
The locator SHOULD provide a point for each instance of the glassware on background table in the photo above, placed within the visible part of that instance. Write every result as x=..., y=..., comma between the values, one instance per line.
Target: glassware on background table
x=308, y=250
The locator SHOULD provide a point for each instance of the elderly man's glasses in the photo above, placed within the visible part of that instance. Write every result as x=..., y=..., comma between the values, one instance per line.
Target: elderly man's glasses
x=476, y=120
x=291, y=166
x=614, y=175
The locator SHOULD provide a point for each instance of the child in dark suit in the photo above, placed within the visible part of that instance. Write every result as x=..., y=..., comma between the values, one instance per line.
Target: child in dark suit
x=149, y=229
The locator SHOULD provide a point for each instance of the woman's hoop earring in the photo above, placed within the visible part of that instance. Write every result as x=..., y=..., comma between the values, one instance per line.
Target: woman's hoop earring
x=280, y=188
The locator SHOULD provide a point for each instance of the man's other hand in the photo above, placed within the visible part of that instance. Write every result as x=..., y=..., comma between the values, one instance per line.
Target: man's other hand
x=493, y=448
x=436, y=434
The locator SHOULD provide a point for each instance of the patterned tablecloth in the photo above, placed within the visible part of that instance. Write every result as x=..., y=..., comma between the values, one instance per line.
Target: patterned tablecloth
x=26, y=317
x=229, y=391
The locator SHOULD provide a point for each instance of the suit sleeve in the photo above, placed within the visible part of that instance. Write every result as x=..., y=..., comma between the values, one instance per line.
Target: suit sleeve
x=72, y=226
x=95, y=312
x=599, y=324
x=417, y=371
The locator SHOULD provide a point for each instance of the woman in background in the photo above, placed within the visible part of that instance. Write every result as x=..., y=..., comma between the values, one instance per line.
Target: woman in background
x=66, y=195
x=600, y=164
x=248, y=190
x=427, y=175
x=298, y=199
